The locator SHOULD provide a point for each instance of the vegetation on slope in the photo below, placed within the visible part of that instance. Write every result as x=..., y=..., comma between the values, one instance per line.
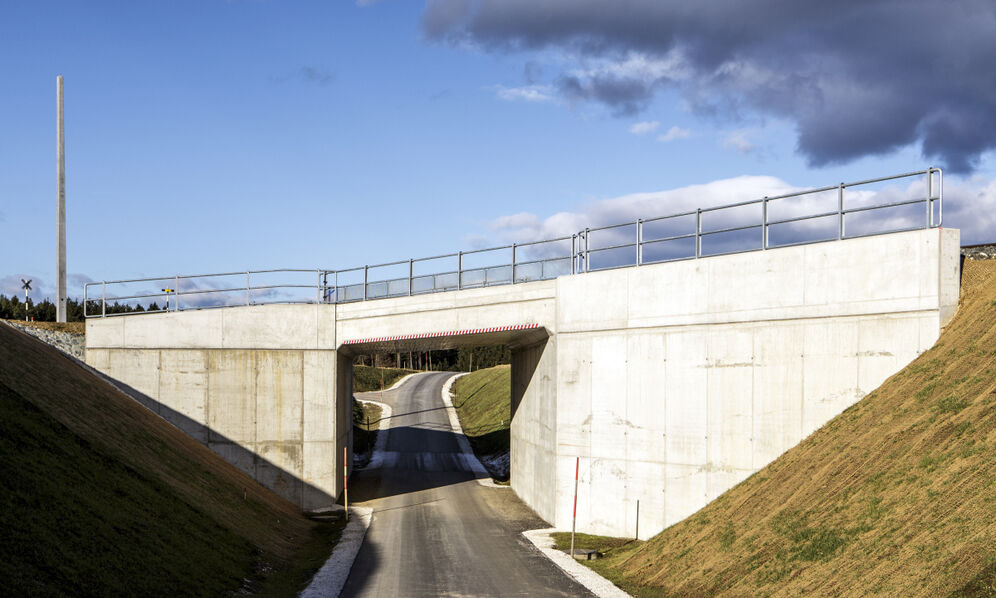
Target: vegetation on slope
x=369, y=379
x=78, y=328
x=482, y=402
x=102, y=497
x=894, y=497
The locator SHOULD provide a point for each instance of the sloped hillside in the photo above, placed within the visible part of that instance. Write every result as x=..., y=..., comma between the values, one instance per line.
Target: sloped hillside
x=895, y=497
x=101, y=497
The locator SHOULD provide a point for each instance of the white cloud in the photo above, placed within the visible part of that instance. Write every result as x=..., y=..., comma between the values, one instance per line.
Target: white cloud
x=738, y=141
x=969, y=204
x=674, y=133
x=526, y=93
x=642, y=128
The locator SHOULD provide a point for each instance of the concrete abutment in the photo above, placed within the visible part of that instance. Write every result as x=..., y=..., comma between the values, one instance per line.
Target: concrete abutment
x=671, y=382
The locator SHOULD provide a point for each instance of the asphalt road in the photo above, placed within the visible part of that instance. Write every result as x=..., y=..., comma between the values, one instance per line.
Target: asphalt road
x=436, y=531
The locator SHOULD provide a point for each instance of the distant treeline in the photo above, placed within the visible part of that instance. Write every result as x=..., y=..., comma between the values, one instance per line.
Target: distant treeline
x=13, y=308
x=455, y=360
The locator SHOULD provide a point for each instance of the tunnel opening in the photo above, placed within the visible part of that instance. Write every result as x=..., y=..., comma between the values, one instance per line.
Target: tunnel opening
x=464, y=383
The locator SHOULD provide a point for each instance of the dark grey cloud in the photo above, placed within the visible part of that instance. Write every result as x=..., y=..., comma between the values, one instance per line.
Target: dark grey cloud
x=857, y=77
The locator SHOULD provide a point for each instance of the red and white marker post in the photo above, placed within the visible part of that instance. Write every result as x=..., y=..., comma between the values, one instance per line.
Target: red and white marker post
x=345, y=479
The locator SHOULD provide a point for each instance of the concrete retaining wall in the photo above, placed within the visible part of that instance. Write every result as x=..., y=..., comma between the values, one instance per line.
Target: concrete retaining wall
x=676, y=382
x=671, y=382
x=255, y=384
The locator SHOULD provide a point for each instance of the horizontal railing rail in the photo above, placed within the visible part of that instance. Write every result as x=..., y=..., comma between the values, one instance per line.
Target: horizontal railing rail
x=740, y=227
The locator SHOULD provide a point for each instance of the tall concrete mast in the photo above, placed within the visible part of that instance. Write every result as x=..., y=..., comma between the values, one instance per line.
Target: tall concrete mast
x=60, y=304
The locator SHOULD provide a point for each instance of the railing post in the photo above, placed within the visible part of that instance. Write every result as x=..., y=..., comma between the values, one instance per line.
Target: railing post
x=698, y=232
x=574, y=254
x=411, y=275
x=335, y=285
x=840, y=211
x=248, y=286
x=459, y=270
x=764, y=222
x=103, y=299
x=930, y=209
x=587, y=247
x=366, y=274
x=319, y=288
x=513, y=263
x=940, y=197
x=176, y=293
x=639, y=241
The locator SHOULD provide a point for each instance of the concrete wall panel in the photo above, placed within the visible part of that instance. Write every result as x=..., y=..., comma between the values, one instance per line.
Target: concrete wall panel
x=279, y=393
x=173, y=330
x=232, y=403
x=183, y=387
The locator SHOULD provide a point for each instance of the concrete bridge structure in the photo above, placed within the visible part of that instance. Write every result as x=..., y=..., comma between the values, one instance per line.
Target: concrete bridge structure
x=672, y=382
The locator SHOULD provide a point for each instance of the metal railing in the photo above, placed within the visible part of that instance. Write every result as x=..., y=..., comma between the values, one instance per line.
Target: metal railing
x=754, y=225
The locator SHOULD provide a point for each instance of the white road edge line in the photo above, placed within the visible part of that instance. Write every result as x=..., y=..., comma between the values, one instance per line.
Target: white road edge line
x=330, y=579
x=403, y=380
x=595, y=583
x=333, y=574
x=472, y=459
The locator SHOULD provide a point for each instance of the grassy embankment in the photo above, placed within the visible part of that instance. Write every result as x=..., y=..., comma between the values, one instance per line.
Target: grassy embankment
x=482, y=402
x=366, y=415
x=894, y=497
x=102, y=497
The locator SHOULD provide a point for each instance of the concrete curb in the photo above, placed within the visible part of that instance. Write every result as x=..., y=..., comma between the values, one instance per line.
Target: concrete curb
x=333, y=574
x=475, y=463
x=595, y=583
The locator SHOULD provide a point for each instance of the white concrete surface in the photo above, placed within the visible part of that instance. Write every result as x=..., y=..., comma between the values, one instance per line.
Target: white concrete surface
x=328, y=582
x=672, y=382
x=596, y=584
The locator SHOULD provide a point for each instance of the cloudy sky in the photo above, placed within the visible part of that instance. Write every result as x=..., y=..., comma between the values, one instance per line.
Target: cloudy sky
x=212, y=135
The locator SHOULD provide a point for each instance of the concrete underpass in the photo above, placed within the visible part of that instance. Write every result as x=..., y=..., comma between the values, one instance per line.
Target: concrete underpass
x=671, y=382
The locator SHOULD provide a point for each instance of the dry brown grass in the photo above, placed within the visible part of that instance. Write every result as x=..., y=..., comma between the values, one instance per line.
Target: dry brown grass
x=894, y=497
x=70, y=327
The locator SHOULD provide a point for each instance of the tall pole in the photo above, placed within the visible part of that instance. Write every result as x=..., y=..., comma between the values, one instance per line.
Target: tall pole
x=60, y=305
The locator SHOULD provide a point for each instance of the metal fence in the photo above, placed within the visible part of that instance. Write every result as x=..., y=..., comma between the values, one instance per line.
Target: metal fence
x=843, y=211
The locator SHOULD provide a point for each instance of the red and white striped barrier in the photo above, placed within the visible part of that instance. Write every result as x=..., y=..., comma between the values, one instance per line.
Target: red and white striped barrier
x=405, y=337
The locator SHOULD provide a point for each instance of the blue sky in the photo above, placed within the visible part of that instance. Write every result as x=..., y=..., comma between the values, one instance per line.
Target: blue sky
x=215, y=136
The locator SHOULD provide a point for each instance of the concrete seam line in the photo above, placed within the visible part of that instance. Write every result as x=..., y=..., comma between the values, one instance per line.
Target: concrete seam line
x=595, y=583
x=475, y=463
x=330, y=579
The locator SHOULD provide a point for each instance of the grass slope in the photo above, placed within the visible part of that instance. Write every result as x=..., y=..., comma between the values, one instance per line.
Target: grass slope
x=482, y=402
x=70, y=327
x=894, y=497
x=369, y=379
x=102, y=497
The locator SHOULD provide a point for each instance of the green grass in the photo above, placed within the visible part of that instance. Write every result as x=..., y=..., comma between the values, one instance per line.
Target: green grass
x=74, y=517
x=369, y=379
x=483, y=404
x=366, y=419
x=608, y=546
x=103, y=498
